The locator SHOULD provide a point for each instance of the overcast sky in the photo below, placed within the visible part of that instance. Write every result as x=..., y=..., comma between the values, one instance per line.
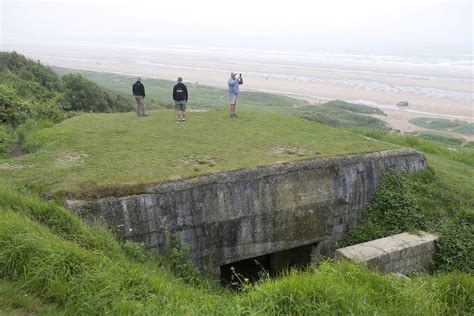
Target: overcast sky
x=353, y=26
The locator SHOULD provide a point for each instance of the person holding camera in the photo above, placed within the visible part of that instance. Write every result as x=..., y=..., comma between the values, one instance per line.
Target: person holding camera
x=234, y=90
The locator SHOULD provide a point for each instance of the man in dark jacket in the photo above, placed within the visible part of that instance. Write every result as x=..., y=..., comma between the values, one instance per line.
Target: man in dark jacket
x=180, y=97
x=138, y=90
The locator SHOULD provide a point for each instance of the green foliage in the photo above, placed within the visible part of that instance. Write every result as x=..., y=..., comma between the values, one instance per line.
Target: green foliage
x=435, y=123
x=463, y=155
x=81, y=94
x=31, y=79
x=67, y=267
x=356, y=108
x=31, y=90
x=422, y=201
x=394, y=209
x=455, y=248
x=467, y=129
x=457, y=126
x=16, y=301
x=180, y=263
x=446, y=140
x=6, y=141
x=339, y=113
x=469, y=145
x=13, y=110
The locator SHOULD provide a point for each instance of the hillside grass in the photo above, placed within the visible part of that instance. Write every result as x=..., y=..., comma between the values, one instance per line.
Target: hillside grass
x=200, y=96
x=58, y=265
x=52, y=263
x=456, y=126
x=98, y=154
x=334, y=113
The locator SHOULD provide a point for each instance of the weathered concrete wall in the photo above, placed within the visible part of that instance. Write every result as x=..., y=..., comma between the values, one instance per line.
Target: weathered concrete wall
x=403, y=253
x=235, y=215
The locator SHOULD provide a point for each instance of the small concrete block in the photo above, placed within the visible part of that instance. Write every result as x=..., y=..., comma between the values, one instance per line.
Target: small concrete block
x=398, y=253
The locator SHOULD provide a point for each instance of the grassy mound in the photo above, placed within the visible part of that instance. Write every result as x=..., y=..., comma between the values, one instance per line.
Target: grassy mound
x=457, y=126
x=62, y=266
x=97, y=154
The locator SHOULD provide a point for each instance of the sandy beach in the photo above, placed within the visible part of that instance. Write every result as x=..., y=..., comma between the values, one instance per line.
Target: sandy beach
x=434, y=87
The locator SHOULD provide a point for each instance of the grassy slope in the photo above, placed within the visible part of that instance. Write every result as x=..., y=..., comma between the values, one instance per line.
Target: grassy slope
x=121, y=149
x=68, y=267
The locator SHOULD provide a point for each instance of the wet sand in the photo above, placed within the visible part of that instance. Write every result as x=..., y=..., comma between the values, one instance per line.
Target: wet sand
x=433, y=90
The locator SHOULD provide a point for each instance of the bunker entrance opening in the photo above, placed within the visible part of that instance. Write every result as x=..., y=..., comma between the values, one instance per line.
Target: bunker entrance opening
x=272, y=265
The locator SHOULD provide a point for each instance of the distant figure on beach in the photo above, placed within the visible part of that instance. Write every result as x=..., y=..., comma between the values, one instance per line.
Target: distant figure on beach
x=138, y=90
x=180, y=97
x=234, y=90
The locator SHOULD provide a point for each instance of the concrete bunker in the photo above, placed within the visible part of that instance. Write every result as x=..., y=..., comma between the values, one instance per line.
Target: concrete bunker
x=232, y=216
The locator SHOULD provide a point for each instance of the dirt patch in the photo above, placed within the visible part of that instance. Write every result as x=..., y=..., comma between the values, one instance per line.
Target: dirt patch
x=16, y=150
x=11, y=167
x=285, y=150
x=71, y=158
x=198, y=162
x=197, y=110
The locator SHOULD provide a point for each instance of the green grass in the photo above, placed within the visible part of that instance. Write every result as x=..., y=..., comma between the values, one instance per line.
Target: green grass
x=466, y=129
x=457, y=126
x=119, y=153
x=14, y=300
x=441, y=138
x=66, y=267
x=200, y=96
x=356, y=108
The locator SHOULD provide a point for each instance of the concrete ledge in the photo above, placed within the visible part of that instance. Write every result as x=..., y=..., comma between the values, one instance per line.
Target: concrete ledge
x=403, y=253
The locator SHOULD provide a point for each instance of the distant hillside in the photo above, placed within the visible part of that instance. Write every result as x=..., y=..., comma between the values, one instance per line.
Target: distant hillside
x=333, y=113
x=28, y=90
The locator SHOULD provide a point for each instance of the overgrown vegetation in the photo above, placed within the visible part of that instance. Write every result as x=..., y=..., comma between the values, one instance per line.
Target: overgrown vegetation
x=440, y=200
x=395, y=209
x=66, y=267
x=340, y=113
x=53, y=263
x=457, y=126
x=443, y=139
x=30, y=91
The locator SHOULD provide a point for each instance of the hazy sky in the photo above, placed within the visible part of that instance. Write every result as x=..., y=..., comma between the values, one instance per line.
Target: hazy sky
x=367, y=26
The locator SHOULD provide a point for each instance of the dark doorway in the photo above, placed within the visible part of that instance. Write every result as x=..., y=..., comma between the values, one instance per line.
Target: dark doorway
x=254, y=269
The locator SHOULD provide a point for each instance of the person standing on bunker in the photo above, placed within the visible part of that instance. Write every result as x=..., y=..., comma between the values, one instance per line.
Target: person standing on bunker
x=138, y=90
x=234, y=90
x=180, y=97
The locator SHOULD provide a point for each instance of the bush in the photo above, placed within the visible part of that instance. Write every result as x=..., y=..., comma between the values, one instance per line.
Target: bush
x=395, y=209
x=13, y=110
x=6, y=141
x=47, y=111
x=81, y=94
x=455, y=247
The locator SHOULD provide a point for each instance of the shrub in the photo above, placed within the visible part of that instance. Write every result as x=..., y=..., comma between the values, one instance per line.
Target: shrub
x=455, y=247
x=395, y=209
x=6, y=141
x=13, y=110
